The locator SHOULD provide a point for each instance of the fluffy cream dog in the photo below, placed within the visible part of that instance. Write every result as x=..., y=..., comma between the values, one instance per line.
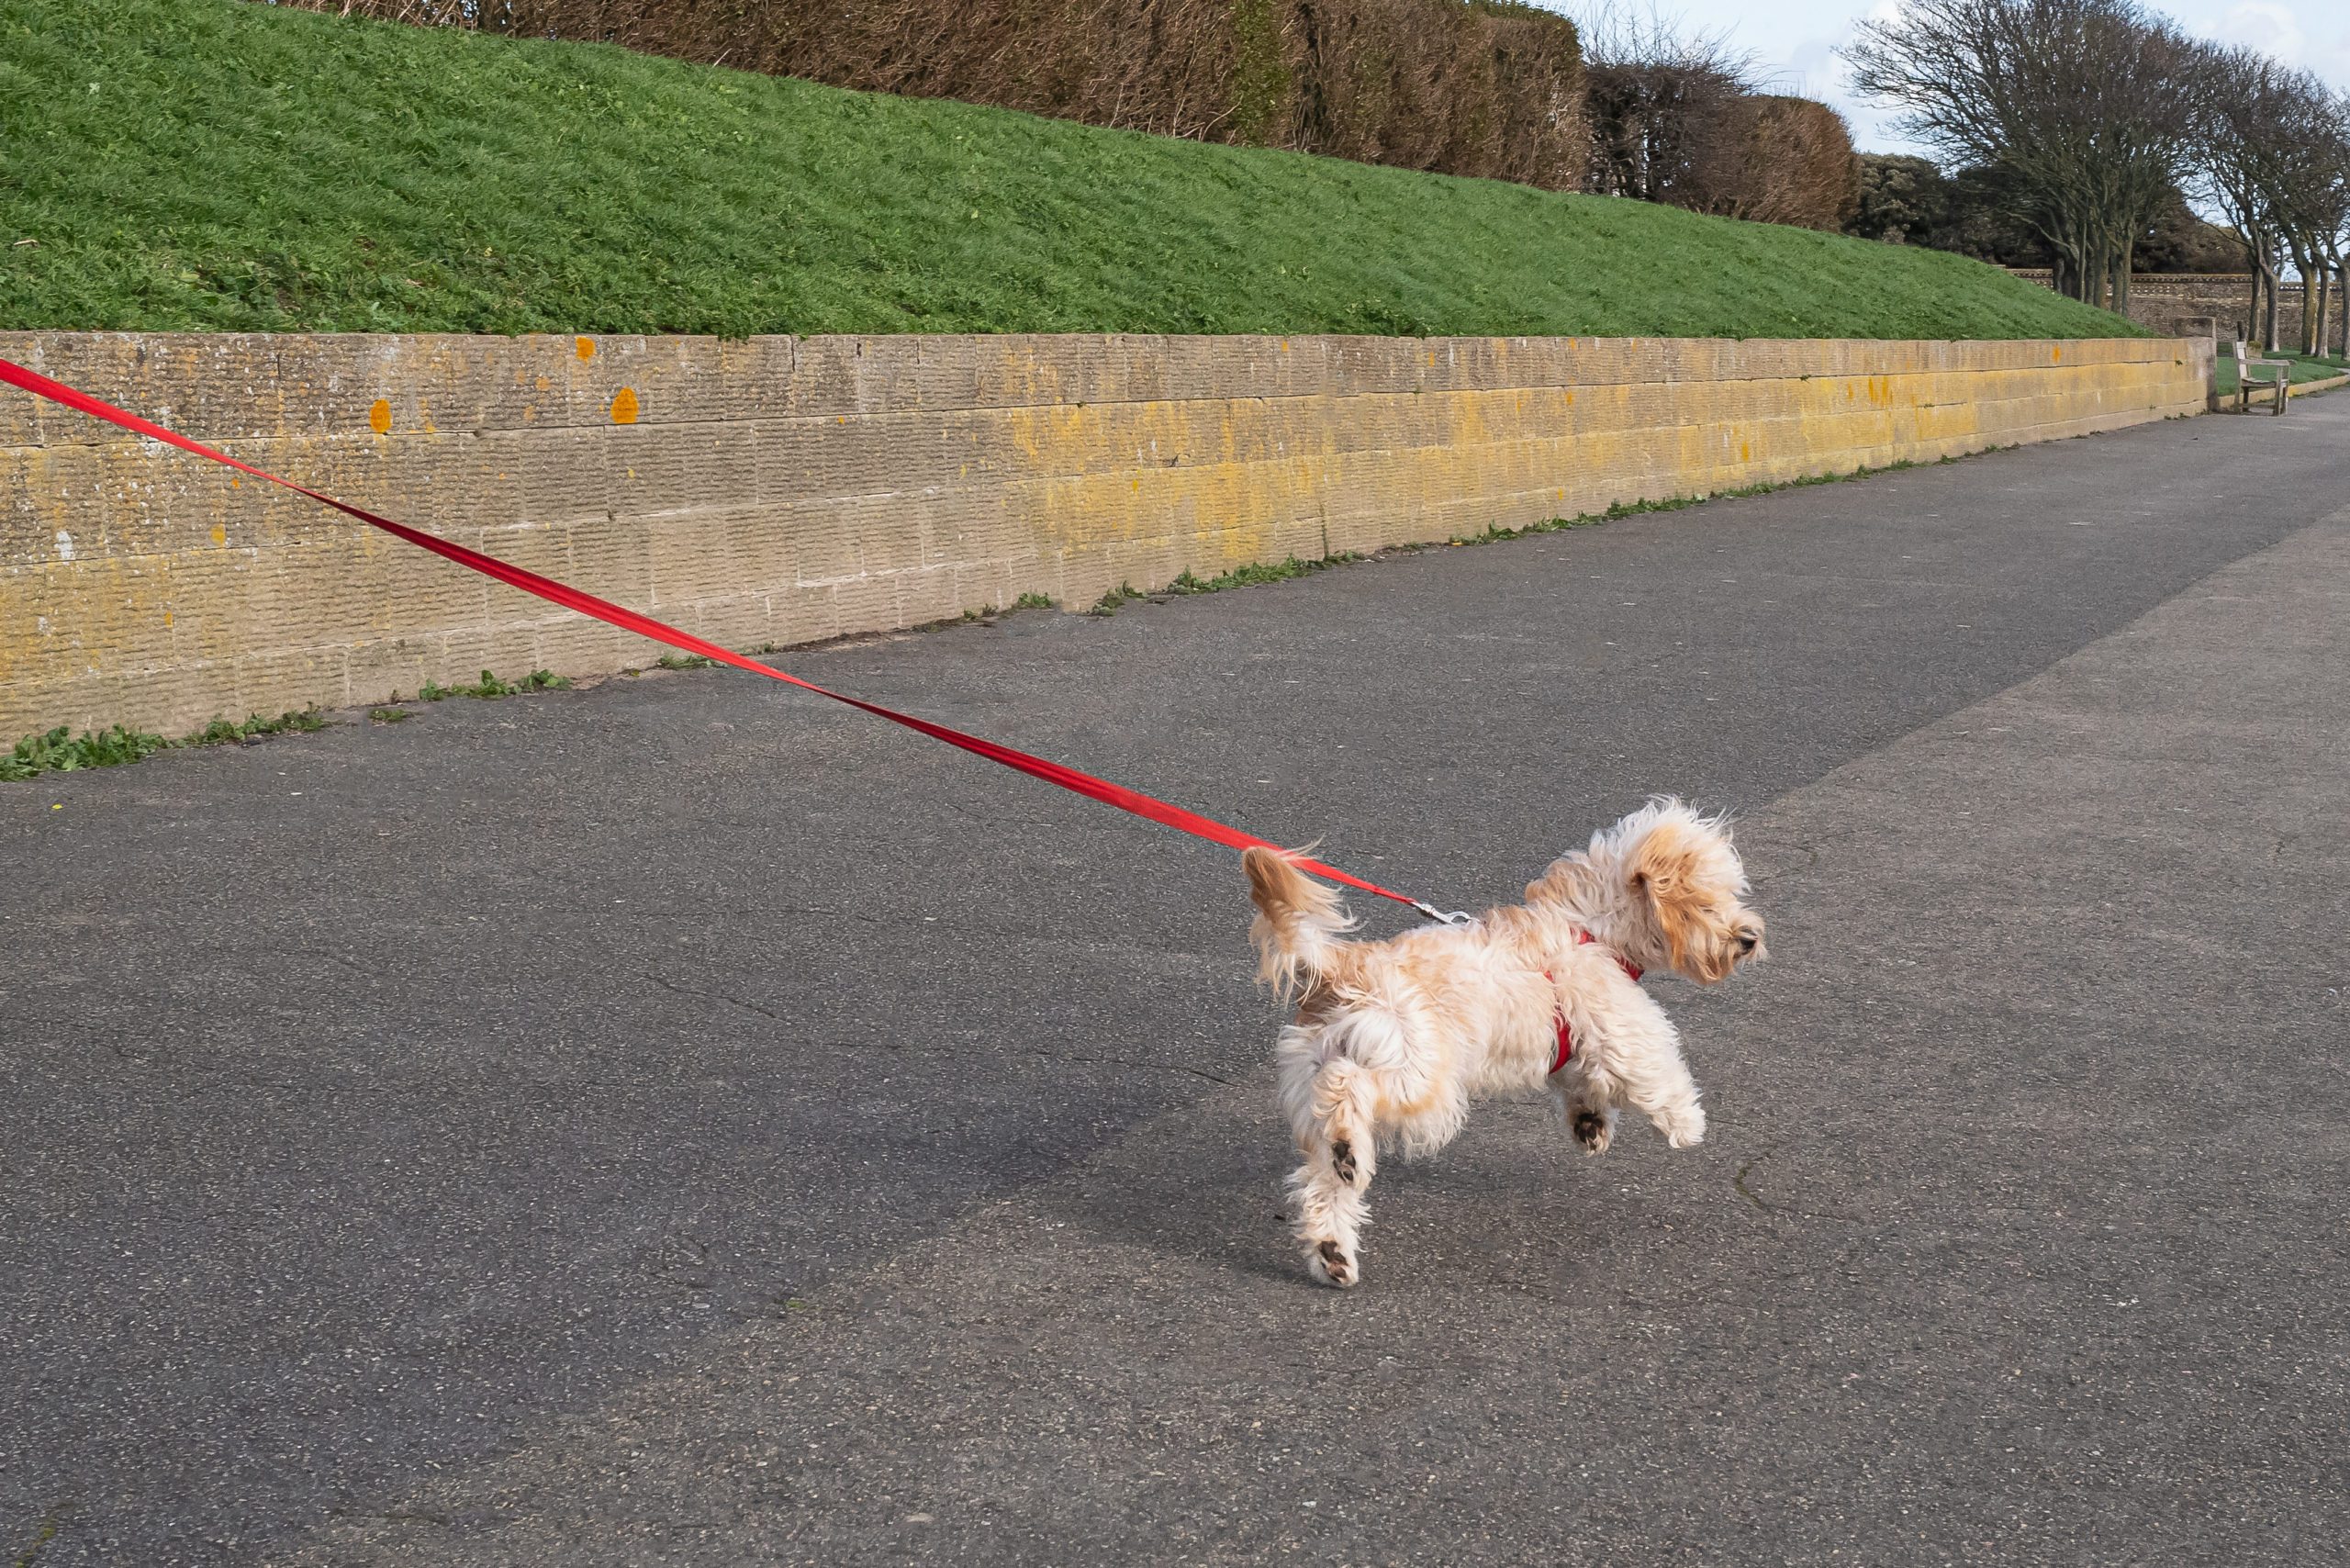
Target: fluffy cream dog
x=1393, y=1040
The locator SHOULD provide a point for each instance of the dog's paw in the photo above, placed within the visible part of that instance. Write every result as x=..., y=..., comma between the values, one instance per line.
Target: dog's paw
x=1342, y=1161
x=1593, y=1129
x=1331, y=1264
x=1684, y=1128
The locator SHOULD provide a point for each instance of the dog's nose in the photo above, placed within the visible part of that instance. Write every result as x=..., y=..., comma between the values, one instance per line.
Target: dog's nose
x=1746, y=940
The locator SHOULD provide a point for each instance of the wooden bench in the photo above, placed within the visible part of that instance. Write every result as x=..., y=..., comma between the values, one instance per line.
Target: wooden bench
x=2245, y=365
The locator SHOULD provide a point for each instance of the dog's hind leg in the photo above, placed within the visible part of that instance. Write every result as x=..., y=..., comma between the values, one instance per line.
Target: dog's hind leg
x=1330, y=1215
x=1330, y=1113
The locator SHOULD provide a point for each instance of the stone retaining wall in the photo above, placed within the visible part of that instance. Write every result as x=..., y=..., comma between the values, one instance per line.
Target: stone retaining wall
x=780, y=490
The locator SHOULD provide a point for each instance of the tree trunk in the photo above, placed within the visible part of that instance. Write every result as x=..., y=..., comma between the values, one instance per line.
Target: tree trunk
x=2342, y=273
x=2338, y=278
x=2299, y=249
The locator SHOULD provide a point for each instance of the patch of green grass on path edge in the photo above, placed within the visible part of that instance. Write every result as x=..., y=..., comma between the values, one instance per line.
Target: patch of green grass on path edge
x=2306, y=368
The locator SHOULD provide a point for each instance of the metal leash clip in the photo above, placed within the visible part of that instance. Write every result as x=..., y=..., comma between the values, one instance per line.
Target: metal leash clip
x=1454, y=917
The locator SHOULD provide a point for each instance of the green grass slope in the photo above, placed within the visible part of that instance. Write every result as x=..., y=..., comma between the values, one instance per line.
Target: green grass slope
x=224, y=165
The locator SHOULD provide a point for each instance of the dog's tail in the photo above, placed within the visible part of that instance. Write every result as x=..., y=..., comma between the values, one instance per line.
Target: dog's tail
x=1298, y=920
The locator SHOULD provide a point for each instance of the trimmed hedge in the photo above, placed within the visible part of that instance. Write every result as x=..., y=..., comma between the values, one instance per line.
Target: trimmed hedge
x=1483, y=87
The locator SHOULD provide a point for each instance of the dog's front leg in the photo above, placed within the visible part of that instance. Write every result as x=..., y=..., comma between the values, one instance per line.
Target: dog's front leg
x=1638, y=1063
x=1652, y=1078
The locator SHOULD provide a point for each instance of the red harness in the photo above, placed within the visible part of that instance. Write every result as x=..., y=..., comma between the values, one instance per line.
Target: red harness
x=1566, y=1031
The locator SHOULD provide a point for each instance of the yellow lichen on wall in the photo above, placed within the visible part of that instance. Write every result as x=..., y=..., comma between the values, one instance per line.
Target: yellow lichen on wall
x=779, y=490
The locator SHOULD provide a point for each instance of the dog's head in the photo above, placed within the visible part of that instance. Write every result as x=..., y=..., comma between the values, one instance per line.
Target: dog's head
x=1688, y=887
x=1665, y=887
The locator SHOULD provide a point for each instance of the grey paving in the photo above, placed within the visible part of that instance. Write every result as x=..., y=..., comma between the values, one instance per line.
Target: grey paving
x=675, y=1122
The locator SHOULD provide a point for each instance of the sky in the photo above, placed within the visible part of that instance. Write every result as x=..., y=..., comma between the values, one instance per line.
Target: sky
x=1794, y=41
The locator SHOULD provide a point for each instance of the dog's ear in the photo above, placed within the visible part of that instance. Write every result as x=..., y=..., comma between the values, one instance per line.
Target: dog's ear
x=1663, y=873
x=1664, y=863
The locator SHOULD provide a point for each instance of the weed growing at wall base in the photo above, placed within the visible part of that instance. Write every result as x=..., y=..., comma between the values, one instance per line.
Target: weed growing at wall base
x=986, y=615
x=490, y=687
x=1108, y=603
x=60, y=751
x=1249, y=575
x=57, y=752
x=225, y=732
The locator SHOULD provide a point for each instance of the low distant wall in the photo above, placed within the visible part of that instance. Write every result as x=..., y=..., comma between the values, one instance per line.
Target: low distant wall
x=2167, y=302
x=780, y=490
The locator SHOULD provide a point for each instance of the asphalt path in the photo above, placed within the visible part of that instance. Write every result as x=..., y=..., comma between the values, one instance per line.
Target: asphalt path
x=682, y=1121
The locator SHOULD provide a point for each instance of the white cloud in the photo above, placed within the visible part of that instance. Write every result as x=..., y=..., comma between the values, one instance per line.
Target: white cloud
x=2265, y=25
x=1794, y=41
x=2314, y=34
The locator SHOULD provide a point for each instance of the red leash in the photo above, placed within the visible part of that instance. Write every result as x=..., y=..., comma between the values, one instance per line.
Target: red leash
x=570, y=597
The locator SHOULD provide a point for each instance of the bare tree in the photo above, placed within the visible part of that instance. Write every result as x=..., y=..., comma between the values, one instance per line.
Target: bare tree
x=2313, y=200
x=1658, y=100
x=1681, y=117
x=2335, y=245
x=2275, y=159
x=2241, y=154
x=2091, y=107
